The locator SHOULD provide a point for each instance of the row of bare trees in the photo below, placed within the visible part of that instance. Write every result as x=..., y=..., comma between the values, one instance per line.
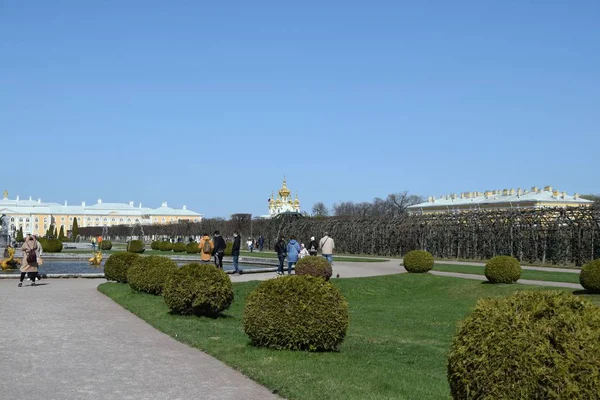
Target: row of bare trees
x=394, y=205
x=552, y=235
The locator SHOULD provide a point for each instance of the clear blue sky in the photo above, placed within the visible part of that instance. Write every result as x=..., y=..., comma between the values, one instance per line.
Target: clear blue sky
x=209, y=104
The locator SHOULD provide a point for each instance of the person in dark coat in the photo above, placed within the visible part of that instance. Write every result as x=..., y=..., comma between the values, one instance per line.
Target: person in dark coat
x=235, y=253
x=281, y=249
x=219, y=250
x=313, y=246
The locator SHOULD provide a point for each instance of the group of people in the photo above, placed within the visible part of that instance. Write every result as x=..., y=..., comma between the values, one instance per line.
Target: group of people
x=215, y=248
x=294, y=251
x=255, y=244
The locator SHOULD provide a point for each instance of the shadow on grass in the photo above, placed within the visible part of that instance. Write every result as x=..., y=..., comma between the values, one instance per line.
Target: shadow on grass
x=215, y=317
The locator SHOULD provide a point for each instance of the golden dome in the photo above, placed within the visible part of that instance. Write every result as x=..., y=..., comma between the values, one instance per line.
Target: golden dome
x=272, y=199
x=278, y=203
x=297, y=202
x=284, y=191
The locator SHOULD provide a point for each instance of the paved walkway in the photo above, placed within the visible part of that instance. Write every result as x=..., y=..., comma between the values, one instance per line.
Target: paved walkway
x=64, y=340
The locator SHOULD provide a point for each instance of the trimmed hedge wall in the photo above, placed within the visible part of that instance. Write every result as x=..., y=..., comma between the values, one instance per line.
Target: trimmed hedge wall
x=192, y=248
x=179, y=247
x=149, y=274
x=51, y=245
x=503, y=269
x=296, y=313
x=418, y=261
x=155, y=245
x=199, y=289
x=166, y=246
x=105, y=245
x=532, y=345
x=115, y=268
x=314, y=266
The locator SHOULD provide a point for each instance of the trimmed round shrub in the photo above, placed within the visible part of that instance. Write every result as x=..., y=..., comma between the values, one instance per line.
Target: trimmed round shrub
x=135, y=246
x=589, y=277
x=155, y=245
x=179, y=247
x=115, y=268
x=148, y=274
x=314, y=266
x=105, y=245
x=199, y=289
x=192, y=248
x=503, y=269
x=166, y=246
x=418, y=261
x=296, y=313
x=52, y=246
x=532, y=345
x=228, y=249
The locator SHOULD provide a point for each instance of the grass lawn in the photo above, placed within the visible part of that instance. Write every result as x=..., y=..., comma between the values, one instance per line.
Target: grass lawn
x=400, y=331
x=525, y=274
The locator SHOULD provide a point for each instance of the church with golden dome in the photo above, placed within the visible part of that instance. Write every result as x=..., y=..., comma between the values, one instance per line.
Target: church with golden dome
x=283, y=203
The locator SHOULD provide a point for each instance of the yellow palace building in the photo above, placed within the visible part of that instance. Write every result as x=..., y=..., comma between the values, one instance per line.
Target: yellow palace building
x=35, y=216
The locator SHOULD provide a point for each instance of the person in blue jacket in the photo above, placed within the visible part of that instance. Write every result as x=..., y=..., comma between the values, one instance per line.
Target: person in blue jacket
x=293, y=249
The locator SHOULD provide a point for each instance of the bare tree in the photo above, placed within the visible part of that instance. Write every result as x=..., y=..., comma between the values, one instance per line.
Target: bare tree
x=320, y=210
x=241, y=223
x=403, y=200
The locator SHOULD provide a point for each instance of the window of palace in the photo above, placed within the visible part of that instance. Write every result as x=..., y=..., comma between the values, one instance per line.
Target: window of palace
x=45, y=226
x=26, y=219
x=45, y=219
x=105, y=219
x=113, y=220
x=97, y=219
x=37, y=219
x=70, y=218
x=62, y=218
x=12, y=219
x=128, y=219
x=36, y=227
x=163, y=220
x=20, y=219
x=137, y=220
x=121, y=220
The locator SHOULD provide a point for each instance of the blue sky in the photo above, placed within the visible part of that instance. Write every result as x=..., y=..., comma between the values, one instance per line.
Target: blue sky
x=209, y=104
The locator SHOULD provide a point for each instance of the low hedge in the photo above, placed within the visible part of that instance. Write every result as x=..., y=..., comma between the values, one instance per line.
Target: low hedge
x=51, y=245
x=418, y=261
x=296, y=313
x=135, y=246
x=532, y=345
x=155, y=245
x=199, y=289
x=192, y=248
x=115, y=268
x=105, y=245
x=179, y=247
x=148, y=274
x=589, y=277
x=166, y=246
x=503, y=269
x=314, y=266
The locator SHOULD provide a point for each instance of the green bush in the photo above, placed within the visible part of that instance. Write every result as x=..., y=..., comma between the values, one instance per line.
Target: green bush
x=503, y=269
x=418, y=261
x=155, y=245
x=135, y=246
x=296, y=313
x=179, y=247
x=199, y=289
x=106, y=245
x=192, y=248
x=314, y=266
x=532, y=345
x=589, y=277
x=115, y=268
x=228, y=249
x=166, y=246
x=52, y=246
x=148, y=274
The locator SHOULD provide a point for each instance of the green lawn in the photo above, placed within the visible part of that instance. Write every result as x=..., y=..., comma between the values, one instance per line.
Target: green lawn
x=400, y=332
x=525, y=274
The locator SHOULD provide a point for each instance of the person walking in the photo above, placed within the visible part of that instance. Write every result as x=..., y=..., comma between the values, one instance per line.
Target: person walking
x=206, y=247
x=249, y=244
x=235, y=253
x=261, y=243
x=219, y=249
x=281, y=249
x=313, y=246
x=93, y=244
x=326, y=244
x=29, y=265
x=293, y=251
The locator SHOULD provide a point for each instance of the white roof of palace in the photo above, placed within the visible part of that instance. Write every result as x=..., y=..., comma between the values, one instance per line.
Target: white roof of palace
x=14, y=206
x=540, y=196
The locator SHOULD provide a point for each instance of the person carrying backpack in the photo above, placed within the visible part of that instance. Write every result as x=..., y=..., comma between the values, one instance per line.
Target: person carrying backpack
x=206, y=247
x=31, y=251
x=219, y=249
x=281, y=249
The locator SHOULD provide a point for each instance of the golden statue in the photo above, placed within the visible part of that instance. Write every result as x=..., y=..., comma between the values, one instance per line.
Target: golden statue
x=6, y=194
x=96, y=259
x=9, y=260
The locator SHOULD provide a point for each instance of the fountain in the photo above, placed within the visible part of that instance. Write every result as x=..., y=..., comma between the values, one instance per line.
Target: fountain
x=4, y=236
